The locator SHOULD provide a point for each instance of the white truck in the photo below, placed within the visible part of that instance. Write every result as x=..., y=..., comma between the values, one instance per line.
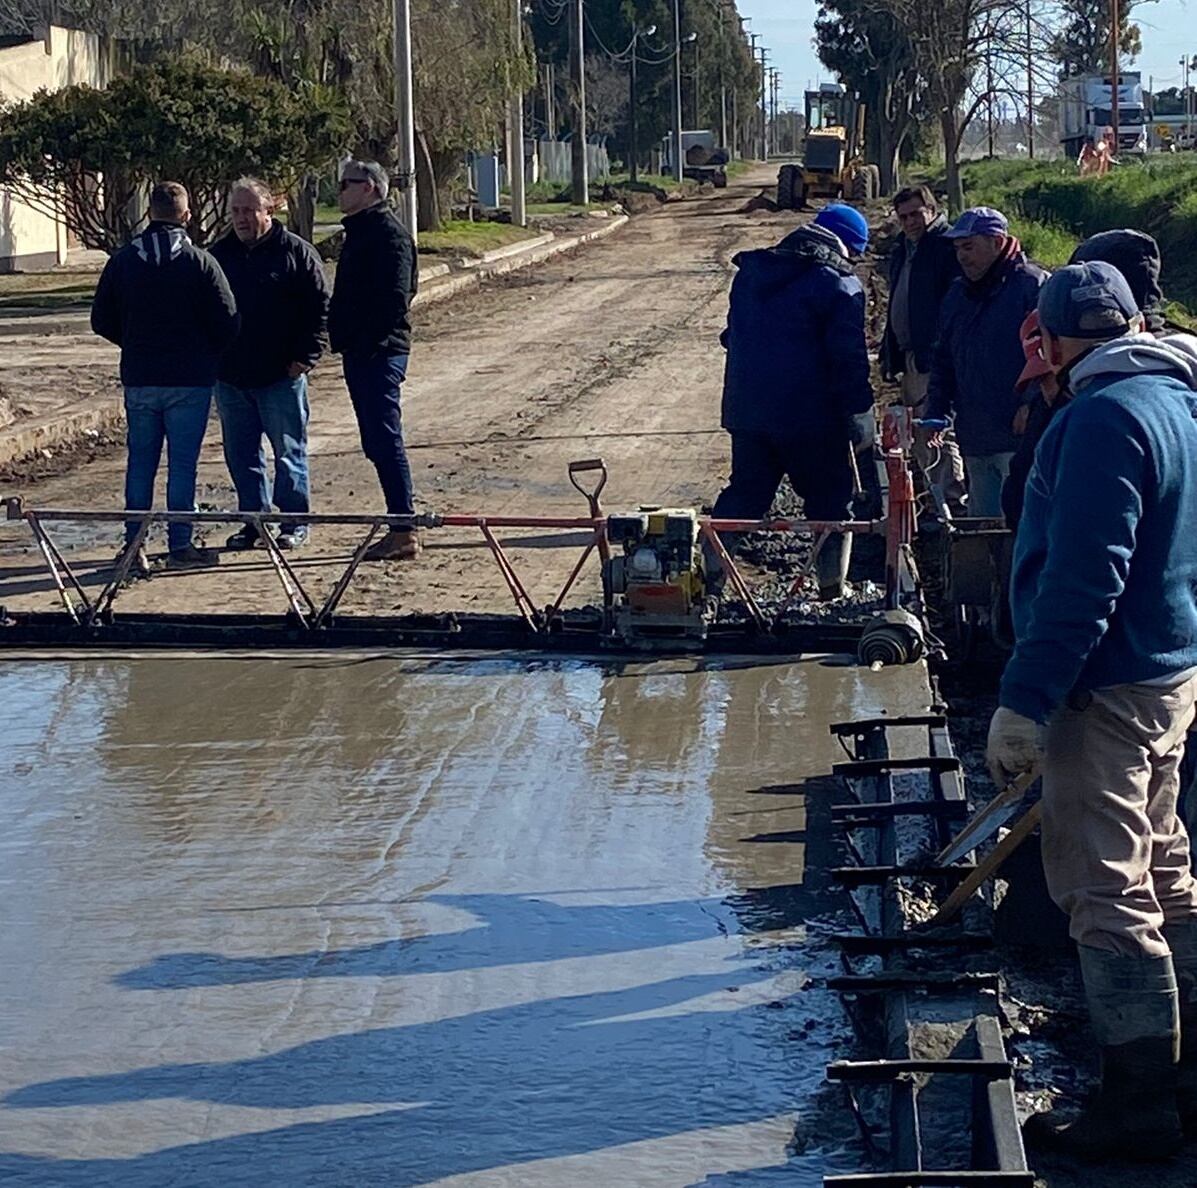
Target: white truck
x=1086, y=111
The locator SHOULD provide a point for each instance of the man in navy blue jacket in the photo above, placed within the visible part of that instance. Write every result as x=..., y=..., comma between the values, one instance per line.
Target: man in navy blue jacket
x=796, y=392
x=1100, y=692
x=978, y=357
x=922, y=267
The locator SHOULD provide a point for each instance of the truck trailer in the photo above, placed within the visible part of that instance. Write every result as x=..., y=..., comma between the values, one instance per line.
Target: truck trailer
x=1086, y=112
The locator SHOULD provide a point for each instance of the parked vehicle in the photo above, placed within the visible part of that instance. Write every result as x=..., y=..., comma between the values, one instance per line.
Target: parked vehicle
x=1086, y=112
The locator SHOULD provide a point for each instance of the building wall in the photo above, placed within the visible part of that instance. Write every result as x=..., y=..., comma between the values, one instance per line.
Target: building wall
x=30, y=240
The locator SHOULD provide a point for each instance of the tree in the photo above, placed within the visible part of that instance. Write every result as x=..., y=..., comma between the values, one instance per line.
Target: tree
x=1082, y=44
x=88, y=156
x=871, y=53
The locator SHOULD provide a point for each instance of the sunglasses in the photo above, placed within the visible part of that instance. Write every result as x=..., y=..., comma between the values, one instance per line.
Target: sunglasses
x=346, y=182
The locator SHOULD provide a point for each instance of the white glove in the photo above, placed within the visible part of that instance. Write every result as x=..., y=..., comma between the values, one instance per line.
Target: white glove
x=864, y=430
x=1015, y=745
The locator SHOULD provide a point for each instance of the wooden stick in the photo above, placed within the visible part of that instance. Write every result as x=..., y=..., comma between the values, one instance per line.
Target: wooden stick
x=988, y=866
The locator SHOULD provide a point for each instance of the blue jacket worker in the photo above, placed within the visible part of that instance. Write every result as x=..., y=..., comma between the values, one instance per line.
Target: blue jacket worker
x=978, y=357
x=796, y=392
x=282, y=296
x=1099, y=692
x=168, y=307
x=922, y=268
x=369, y=326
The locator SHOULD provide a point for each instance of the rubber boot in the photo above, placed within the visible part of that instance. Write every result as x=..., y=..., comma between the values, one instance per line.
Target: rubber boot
x=1182, y=940
x=1133, y=1007
x=831, y=566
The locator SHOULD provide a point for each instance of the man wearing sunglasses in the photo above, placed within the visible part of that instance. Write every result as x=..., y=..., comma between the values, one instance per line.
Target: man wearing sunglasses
x=369, y=326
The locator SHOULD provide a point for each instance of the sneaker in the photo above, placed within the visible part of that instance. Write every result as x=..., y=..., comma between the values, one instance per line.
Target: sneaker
x=192, y=557
x=139, y=567
x=398, y=545
x=292, y=538
x=244, y=538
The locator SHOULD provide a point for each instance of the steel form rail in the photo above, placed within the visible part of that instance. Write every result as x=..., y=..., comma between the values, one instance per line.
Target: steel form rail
x=970, y=999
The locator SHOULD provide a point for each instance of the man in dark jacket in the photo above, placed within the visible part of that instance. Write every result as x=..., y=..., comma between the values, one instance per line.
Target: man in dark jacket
x=167, y=305
x=369, y=326
x=978, y=357
x=922, y=267
x=282, y=296
x=1100, y=691
x=796, y=391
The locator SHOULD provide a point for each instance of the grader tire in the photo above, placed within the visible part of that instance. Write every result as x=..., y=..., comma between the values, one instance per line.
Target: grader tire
x=860, y=186
x=786, y=177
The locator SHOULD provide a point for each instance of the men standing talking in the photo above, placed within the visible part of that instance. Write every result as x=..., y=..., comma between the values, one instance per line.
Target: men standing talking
x=922, y=267
x=369, y=326
x=1100, y=692
x=168, y=307
x=979, y=357
x=282, y=296
x=796, y=394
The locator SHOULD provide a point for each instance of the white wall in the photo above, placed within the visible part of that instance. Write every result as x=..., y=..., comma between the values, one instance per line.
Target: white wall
x=29, y=239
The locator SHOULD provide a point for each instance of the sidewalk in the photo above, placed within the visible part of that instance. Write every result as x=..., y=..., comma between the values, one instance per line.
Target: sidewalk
x=58, y=381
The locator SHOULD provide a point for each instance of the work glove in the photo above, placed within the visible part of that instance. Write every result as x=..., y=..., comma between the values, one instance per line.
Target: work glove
x=1015, y=745
x=863, y=430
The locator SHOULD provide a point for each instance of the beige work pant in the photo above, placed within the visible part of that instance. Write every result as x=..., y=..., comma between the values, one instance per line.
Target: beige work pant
x=943, y=467
x=1115, y=853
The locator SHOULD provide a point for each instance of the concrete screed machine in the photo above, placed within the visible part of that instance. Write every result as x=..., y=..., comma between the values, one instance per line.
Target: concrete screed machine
x=833, y=164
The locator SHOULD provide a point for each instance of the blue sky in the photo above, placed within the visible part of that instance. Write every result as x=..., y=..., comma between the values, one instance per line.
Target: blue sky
x=787, y=28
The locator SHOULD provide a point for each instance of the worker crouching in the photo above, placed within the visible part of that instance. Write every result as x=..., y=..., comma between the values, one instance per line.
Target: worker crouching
x=1100, y=692
x=796, y=393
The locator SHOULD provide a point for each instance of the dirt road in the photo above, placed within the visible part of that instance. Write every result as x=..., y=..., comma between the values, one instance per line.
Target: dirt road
x=613, y=351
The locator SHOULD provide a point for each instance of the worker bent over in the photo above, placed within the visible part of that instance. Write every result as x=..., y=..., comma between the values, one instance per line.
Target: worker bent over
x=1100, y=691
x=796, y=392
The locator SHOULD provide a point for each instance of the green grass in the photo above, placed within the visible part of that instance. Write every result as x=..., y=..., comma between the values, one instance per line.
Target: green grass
x=463, y=238
x=1052, y=209
x=328, y=213
x=47, y=290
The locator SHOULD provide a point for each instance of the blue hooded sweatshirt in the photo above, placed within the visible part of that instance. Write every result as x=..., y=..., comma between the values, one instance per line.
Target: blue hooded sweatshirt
x=1104, y=585
x=797, y=360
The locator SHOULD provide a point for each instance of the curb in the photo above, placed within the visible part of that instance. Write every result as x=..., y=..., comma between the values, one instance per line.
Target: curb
x=59, y=430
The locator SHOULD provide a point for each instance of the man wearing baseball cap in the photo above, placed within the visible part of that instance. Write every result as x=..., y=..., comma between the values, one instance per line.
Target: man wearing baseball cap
x=1100, y=692
x=796, y=392
x=978, y=356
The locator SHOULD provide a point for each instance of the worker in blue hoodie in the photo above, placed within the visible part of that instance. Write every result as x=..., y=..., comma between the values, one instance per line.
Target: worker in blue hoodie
x=796, y=393
x=1099, y=692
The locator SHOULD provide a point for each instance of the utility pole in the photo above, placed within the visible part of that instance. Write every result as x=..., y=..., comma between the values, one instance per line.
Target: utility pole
x=1114, y=73
x=550, y=101
x=722, y=83
x=677, y=90
x=515, y=138
x=989, y=90
x=633, y=143
x=697, y=110
x=405, y=156
x=577, y=71
x=750, y=125
x=764, y=105
x=1185, y=64
x=1030, y=90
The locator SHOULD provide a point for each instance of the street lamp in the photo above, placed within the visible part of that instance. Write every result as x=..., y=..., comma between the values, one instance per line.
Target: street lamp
x=633, y=148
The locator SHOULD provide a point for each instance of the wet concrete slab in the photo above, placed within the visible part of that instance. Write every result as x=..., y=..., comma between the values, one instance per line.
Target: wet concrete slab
x=363, y=920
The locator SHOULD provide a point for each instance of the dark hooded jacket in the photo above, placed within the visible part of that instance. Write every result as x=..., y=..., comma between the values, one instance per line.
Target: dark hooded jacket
x=167, y=305
x=978, y=356
x=932, y=272
x=797, y=362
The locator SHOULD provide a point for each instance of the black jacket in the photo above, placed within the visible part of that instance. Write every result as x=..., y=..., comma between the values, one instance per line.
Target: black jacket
x=169, y=308
x=376, y=281
x=932, y=273
x=282, y=296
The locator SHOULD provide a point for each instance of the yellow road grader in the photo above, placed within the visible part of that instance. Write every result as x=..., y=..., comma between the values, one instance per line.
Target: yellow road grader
x=833, y=164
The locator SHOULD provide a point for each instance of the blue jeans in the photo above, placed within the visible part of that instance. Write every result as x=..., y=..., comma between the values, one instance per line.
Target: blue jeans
x=374, y=382
x=179, y=417
x=280, y=412
x=987, y=473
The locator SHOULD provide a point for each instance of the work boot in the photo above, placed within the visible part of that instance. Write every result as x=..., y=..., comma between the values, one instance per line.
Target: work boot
x=1133, y=1116
x=400, y=544
x=192, y=557
x=1182, y=940
x=831, y=566
x=139, y=566
x=246, y=537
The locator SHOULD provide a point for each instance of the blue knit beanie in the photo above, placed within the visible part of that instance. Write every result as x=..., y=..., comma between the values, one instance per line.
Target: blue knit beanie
x=848, y=223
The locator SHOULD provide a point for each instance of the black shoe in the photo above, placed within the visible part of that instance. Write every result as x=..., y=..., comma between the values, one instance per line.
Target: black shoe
x=244, y=538
x=292, y=538
x=192, y=557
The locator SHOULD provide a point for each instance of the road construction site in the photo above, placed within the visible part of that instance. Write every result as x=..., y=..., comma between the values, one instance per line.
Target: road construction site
x=438, y=916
